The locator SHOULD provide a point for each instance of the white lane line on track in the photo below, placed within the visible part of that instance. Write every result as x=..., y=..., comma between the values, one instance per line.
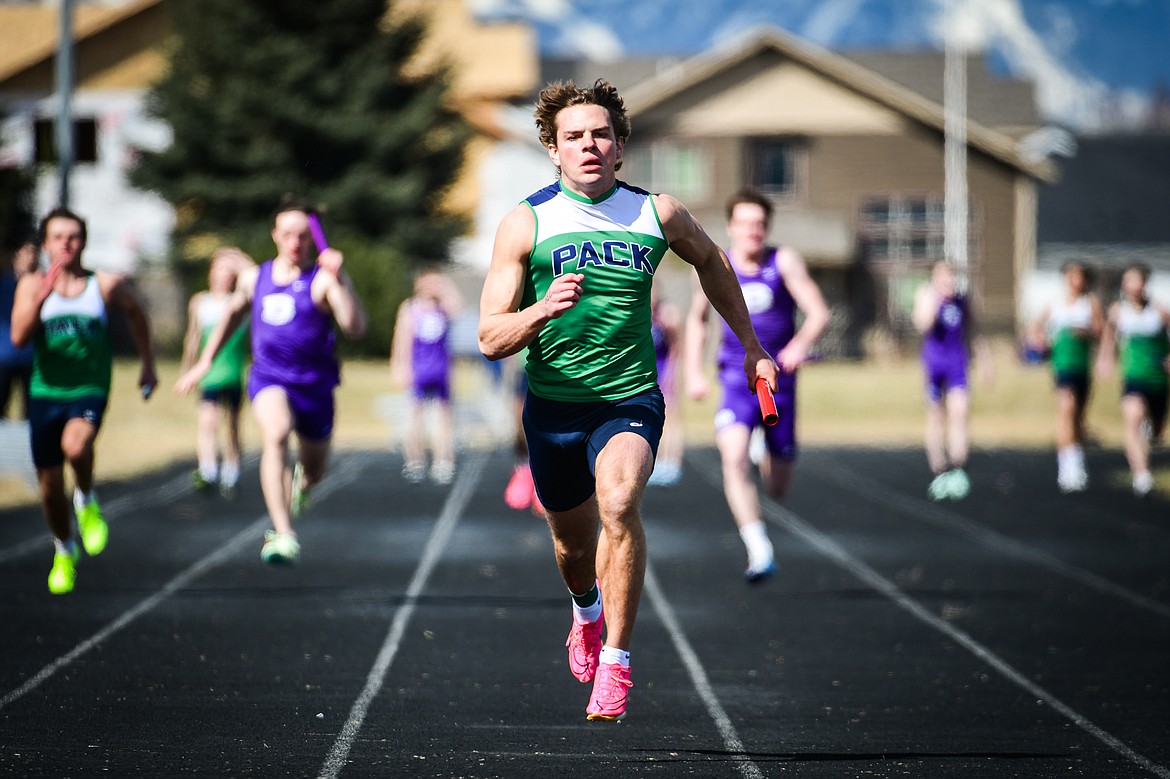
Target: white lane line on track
x=834, y=551
x=698, y=674
x=168, y=490
x=441, y=534
x=936, y=515
x=197, y=569
x=787, y=520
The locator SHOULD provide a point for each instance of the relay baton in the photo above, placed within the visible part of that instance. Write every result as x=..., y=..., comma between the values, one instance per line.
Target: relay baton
x=318, y=233
x=767, y=402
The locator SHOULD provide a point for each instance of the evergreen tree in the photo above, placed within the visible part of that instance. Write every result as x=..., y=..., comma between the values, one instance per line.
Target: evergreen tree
x=307, y=98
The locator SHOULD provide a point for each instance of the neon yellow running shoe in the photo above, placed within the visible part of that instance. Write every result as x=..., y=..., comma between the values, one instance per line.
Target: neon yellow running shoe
x=64, y=572
x=94, y=530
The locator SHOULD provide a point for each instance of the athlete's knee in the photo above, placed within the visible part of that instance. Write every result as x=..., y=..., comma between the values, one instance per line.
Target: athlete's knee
x=736, y=464
x=76, y=448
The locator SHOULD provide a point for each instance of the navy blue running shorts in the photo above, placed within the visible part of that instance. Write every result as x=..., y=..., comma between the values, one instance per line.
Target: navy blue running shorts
x=228, y=397
x=1076, y=382
x=565, y=438
x=1156, y=402
x=47, y=420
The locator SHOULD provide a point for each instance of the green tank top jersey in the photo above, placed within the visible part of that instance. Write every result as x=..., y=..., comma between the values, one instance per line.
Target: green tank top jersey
x=1144, y=346
x=228, y=367
x=1071, y=347
x=602, y=348
x=72, y=357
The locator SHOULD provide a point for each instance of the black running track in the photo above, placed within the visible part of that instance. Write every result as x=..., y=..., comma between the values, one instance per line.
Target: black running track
x=1018, y=633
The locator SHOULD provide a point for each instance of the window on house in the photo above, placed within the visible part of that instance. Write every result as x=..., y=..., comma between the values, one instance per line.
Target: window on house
x=905, y=230
x=774, y=165
x=682, y=169
x=84, y=140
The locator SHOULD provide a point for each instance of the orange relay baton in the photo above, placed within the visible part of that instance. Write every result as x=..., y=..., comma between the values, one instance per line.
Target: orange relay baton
x=767, y=402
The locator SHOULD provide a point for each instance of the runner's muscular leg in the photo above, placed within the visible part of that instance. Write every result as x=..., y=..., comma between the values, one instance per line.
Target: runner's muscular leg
x=54, y=502
x=274, y=418
x=314, y=458
x=77, y=444
x=622, y=468
x=738, y=486
x=574, y=534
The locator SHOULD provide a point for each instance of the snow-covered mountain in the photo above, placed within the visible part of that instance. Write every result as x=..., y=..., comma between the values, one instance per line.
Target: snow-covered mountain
x=1095, y=62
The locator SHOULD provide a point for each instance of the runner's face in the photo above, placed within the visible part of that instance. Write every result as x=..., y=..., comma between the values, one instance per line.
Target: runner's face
x=1133, y=285
x=748, y=230
x=1075, y=277
x=63, y=241
x=291, y=236
x=586, y=150
x=943, y=278
x=222, y=277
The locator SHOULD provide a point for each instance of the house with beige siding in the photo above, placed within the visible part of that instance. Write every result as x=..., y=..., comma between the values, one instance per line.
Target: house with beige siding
x=853, y=162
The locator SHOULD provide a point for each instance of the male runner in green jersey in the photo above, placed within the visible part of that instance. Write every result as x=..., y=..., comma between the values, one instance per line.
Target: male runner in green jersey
x=62, y=312
x=570, y=278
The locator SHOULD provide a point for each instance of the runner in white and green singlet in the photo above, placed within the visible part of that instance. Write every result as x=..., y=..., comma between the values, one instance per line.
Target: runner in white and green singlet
x=1137, y=331
x=570, y=278
x=1070, y=327
x=221, y=390
x=62, y=312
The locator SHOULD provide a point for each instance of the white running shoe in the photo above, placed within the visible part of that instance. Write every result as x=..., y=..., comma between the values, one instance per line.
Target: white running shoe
x=958, y=485
x=938, y=489
x=1143, y=483
x=1071, y=480
x=442, y=472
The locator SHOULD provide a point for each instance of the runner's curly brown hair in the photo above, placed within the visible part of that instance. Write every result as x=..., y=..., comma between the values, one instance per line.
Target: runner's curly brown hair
x=559, y=95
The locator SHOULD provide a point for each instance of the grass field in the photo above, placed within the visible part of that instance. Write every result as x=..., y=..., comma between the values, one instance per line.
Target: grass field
x=855, y=404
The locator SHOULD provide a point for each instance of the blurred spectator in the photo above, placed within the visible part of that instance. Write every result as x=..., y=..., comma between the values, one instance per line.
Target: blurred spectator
x=15, y=362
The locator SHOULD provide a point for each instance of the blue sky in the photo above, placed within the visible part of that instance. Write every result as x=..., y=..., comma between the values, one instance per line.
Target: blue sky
x=1083, y=54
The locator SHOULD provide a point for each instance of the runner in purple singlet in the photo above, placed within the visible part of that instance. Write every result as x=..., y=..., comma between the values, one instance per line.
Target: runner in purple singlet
x=775, y=283
x=420, y=359
x=943, y=316
x=295, y=300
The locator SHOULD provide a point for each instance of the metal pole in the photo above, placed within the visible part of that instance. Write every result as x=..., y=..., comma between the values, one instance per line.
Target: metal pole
x=63, y=129
x=955, y=216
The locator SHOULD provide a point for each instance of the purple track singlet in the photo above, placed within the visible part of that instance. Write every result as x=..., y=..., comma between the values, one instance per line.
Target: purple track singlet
x=292, y=340
x=773, y=313
x=944, y=349
x=430, y=357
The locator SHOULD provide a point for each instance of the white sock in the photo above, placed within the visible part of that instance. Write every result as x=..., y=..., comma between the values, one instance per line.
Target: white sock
x=229, y=474
x=616, y=656
x=81, y=499
x=755, y=538
x=588, y=613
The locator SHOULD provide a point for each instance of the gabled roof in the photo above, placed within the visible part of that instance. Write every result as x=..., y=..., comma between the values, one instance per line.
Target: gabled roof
x=850, y=75
x=28, y=34
x=1004, y=104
